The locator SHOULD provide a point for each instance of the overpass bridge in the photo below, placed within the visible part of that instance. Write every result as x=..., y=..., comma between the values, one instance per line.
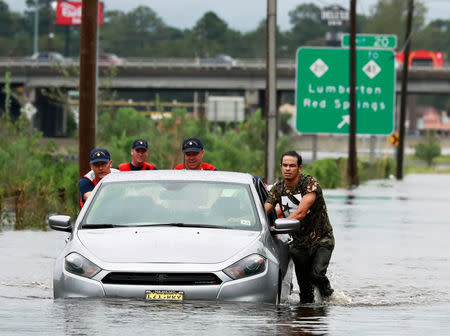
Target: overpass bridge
x=247, y=77
x=182, y=73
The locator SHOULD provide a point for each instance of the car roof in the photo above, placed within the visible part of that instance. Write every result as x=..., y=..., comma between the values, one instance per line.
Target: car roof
x=180, y=175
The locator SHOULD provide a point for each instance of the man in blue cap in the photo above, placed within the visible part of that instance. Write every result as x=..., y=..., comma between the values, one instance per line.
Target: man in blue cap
x=100, y=163
x=139, y=153
x=192, y=149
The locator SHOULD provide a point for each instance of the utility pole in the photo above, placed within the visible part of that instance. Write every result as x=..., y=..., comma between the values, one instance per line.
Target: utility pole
x=401, y=144
x=271, y=91
x=352, y=155
x=36, y=27
x=88, y=63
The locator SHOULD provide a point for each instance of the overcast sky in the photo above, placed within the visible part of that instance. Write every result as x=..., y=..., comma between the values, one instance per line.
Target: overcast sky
x=243, y=15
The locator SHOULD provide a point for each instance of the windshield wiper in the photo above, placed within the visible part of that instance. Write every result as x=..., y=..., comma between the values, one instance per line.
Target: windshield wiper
x=99, y=226
x=179, y=224
x=192, y=225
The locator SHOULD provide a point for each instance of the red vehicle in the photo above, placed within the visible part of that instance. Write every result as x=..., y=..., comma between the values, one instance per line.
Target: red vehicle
x=108, y=59
x=421, y=58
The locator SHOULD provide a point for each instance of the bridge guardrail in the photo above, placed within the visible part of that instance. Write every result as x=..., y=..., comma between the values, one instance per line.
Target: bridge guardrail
x=254, y=63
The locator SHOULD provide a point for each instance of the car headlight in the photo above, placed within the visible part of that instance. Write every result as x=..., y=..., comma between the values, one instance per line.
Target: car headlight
x=248, y=266
x=79, y=265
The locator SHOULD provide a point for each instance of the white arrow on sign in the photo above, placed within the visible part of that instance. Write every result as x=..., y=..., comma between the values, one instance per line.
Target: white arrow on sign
x=345, y=120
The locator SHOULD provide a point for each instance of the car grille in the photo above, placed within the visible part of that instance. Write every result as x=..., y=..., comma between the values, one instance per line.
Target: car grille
x=180, y=279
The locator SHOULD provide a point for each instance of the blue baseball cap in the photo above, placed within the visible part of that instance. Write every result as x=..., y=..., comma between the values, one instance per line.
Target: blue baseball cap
x=99, y=155
x=192, y=145
x=140, y=143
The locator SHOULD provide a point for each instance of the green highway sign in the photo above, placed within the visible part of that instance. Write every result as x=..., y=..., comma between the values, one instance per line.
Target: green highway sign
x=371, y=41
x=323, y=92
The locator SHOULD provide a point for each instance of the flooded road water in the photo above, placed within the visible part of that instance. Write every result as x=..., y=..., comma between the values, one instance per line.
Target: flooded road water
x=390, y=270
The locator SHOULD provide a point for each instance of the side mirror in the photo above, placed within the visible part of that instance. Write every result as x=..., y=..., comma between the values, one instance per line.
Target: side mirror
x=286, y=225
x=60, y=223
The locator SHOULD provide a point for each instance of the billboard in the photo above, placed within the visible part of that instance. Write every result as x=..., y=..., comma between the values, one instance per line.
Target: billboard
x=230, y=108
x=335, y=15
x=68, y=13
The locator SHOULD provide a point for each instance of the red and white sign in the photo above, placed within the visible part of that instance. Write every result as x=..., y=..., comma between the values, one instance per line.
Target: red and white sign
x=68, y=13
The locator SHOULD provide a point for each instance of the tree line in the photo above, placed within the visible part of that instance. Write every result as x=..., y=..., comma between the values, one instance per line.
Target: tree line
x=140, y=32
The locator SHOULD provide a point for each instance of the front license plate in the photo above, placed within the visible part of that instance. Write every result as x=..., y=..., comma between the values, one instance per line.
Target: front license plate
x=162, y=295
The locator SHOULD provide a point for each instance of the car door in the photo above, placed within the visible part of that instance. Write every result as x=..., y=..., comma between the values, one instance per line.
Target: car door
x=280, y=241
x=263, y=193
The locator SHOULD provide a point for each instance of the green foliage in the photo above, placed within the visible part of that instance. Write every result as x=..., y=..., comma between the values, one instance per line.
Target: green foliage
x=137, y=28
x=208, y=34
x=307, y=25
x=123, y=122
x=428, y=149
x=389, y=17
x=382, y=168
x=326, y=171
x=333, y=173
x=33, y=175
x=238, y=149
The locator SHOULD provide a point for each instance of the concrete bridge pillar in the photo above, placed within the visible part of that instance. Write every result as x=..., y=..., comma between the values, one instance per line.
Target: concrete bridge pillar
x=50, y=116
x=29, y=94
x=252, y=100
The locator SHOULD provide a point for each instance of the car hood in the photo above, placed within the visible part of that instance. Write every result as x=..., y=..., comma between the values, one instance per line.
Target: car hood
x=165, y=244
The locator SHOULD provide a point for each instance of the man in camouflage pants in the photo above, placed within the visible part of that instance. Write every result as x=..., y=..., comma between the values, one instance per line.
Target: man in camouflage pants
x=300, y=197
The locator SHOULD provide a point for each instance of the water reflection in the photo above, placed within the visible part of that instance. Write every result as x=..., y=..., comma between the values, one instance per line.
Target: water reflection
x=92, y=316
x=303, y=320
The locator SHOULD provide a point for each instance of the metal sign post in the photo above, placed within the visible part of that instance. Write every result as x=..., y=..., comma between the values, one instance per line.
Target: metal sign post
x=271, y=92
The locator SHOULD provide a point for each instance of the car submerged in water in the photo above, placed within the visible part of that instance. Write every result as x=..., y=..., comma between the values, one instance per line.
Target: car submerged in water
x=175, y=236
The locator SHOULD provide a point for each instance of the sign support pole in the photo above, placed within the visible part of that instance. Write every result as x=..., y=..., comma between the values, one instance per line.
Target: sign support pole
x=36, y=27
x=271, y=91
x=352, y=155
x=401, y=144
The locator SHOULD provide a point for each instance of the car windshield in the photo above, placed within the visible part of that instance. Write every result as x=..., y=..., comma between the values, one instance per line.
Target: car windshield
x=56, y=57
x=225, y=58
x=173, y=203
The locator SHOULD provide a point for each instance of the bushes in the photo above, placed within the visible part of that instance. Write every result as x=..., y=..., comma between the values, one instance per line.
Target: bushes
x=327, y=172
x=42, y=182
x=428, y=149
x=237, y=149
x=332, y=173
x=31, y=174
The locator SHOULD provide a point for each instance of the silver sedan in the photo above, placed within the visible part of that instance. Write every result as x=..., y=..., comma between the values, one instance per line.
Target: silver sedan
x=174, y=236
